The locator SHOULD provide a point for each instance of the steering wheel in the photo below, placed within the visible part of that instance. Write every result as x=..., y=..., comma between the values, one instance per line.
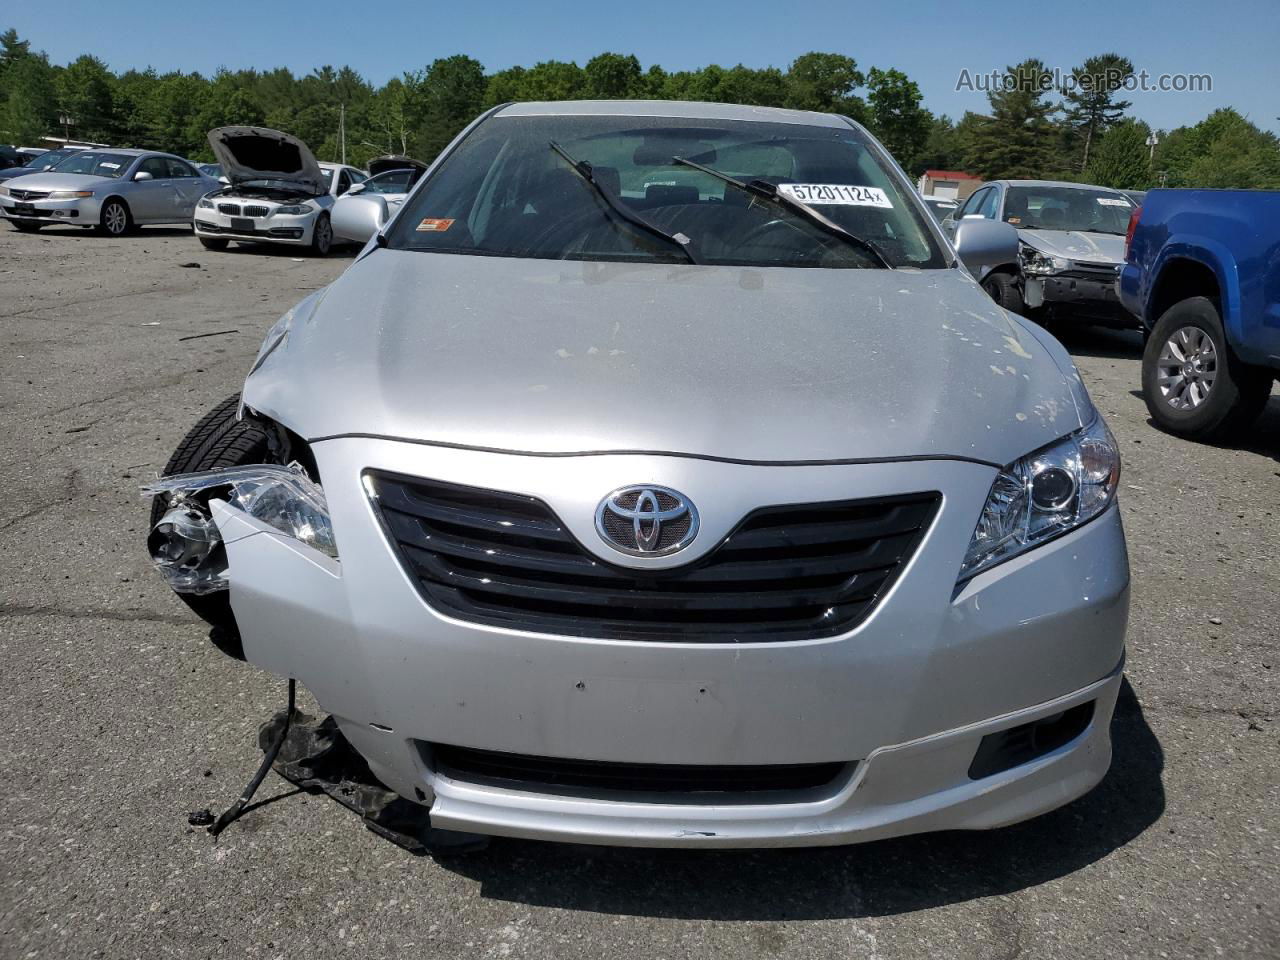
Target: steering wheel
x=754, y=237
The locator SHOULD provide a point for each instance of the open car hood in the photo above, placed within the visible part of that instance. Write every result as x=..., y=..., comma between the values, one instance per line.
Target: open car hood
x=249, y=154
x=395, y=162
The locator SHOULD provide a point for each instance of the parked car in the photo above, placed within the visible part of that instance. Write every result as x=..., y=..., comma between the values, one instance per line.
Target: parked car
x=10, y=157
x=1202, y=275
x=1136, y=196
x=276, y=192
x=728, y=513
x=366, y=207
x=32, y=152
x=1071, y=244
x=113, y=190
x=46, y=161
x=940, y=207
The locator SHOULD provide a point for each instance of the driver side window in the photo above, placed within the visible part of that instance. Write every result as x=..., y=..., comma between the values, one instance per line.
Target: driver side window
x=158, y=167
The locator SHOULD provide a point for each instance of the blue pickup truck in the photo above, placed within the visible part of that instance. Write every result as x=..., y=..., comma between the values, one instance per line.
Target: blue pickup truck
x=1202, y=275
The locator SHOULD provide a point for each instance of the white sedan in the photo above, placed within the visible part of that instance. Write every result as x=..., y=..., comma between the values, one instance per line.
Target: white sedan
x=276, y=192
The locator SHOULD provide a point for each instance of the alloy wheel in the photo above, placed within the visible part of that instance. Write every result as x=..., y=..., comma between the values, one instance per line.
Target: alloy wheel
x=1187, y=368
x=116, y=219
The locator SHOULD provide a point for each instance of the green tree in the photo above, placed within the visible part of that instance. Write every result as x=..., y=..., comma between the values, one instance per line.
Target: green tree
x=613, y=76
x=1090, y=99
x=1121, y=157
x=451, y=93
x=896, y=117
x=84, y=95
x=28, y=105
x=1016, y=140
x=825, y=82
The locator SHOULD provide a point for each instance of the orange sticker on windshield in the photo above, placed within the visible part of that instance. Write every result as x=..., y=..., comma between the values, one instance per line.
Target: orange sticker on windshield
x=432, y=225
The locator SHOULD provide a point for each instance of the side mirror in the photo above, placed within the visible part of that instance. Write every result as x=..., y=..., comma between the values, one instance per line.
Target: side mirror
x=354, y=189
x=142, y=175
x=982, y=244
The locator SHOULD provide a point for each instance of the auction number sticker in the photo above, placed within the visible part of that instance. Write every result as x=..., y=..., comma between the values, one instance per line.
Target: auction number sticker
x=434, y=225
x=840, y=194
x=1113, y=202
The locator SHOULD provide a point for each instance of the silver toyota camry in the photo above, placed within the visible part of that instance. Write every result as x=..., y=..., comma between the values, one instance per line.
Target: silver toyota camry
x=111, y=190
x=660, y=475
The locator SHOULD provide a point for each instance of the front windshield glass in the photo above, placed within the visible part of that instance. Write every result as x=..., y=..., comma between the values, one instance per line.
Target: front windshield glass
x=506, y=192
x=95, y=164
x=1067, y=208
x=393, y=181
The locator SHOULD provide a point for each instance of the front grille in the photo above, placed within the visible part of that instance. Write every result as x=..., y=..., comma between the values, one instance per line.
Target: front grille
x=28, y=194
x=597, y=778
x=230, y=209
x=785, y=573
x=254, y=211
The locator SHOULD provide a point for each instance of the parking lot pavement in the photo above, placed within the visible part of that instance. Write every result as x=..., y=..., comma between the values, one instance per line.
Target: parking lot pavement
x=119, y=718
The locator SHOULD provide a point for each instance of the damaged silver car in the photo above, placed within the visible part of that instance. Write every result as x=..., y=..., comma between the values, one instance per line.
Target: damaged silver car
x=660, y=475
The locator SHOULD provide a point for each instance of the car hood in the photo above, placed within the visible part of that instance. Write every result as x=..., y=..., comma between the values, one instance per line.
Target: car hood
x=760, y=365
x=395, y=162
x=1076, y=245
x=62, y=181
x=260, y=153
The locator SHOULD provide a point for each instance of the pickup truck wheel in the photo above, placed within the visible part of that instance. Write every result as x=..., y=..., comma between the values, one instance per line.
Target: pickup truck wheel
x=217, y=440
x=1003, y=289
x=1193, y=385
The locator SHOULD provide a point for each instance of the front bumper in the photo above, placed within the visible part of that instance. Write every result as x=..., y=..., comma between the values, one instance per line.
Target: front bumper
x=903, y=700
x=81, y=212
x=1083, y=294
x=289, y=230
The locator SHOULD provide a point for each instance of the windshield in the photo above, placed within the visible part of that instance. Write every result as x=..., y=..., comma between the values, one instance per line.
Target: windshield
x=506, y=192
x=95, y=164
x=1067, y=208
x=393, y=181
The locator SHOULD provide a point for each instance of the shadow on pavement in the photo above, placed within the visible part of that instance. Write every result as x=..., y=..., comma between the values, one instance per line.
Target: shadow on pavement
x=1105, y=342
x=876, y=879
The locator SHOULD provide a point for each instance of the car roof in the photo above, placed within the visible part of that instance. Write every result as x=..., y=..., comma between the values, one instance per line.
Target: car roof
x=1054, y=183
x=676, y=109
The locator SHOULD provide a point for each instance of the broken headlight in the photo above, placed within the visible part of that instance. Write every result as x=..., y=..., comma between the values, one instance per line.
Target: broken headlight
x=185, y=543
x=1035, y=263
x=1044, y=495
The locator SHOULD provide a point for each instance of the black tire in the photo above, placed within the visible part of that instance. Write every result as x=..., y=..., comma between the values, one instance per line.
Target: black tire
x=26, y=226
x=1003, y=289
x=115, y=220
x=217, y=440
x=1236, y=395
x=321, y=236
x=215, y=244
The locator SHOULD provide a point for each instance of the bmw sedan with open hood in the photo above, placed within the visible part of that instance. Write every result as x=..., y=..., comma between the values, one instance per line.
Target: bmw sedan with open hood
x=660, y=475
x=276, y=191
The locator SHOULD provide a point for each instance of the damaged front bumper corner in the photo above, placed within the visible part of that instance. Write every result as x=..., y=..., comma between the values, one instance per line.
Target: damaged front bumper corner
x=187, y=544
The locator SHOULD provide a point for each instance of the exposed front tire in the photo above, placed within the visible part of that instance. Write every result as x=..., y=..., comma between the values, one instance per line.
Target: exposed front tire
x=321, y=236
x=1193, y=385
x=26, y=226
x=214, y=244
x=1003, y=289
x=218, y=440
x=115, y=219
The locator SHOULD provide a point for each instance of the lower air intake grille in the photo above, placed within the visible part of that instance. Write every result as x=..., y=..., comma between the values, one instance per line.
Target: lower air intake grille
x=785, y=573
x=547, y=775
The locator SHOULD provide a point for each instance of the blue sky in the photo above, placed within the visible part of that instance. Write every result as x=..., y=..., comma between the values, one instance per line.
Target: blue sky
x=1234, y=41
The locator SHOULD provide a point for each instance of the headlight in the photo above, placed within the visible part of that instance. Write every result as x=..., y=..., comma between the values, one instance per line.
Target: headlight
x=293, y=210
x=69, y=194
x=1038, y=264
x=1044, y=495
x=205, y=204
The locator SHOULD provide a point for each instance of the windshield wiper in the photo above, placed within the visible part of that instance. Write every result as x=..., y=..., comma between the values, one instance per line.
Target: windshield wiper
x=767, y=191
x=583, y=169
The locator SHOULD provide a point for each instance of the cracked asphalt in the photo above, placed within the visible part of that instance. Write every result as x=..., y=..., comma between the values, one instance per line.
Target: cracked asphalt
x=119, y=717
